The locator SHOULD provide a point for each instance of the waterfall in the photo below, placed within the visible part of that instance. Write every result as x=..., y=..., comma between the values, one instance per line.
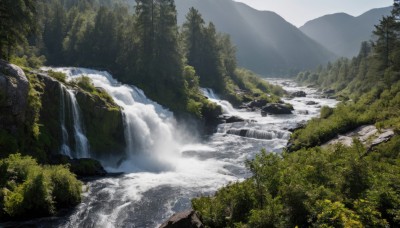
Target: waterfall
x=150, y=132
x=68, y=99
x=81, y=142
x=227, y=107
x=65, y=149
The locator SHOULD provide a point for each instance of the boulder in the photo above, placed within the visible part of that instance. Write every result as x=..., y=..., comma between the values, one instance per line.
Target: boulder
x=300, y=125
x=233, y=119
x=311, y=103
x=257, y=104
x=276, y=109
x=329, y=91
x=382, y=138
x=299, y=94
x=303, y=112
x=82, y=167
x=186, y=219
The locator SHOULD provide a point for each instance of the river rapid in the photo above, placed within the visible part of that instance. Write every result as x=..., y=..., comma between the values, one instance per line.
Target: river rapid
x=166, y=167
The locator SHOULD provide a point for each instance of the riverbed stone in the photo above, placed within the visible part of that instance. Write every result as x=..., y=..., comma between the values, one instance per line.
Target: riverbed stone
x=233, y=119
x=299, y=94
x=311, y=103
x=186, y=219
x=257, y=104
x=277, y=109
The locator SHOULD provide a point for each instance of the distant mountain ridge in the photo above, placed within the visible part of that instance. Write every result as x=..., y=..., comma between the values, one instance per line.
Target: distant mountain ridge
x=342, y=33
x=266, y=43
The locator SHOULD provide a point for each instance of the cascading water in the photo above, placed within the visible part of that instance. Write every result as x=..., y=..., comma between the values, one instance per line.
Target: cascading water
x=70, y=106
x=81, y=142
x=65, y=149
x=227, y=107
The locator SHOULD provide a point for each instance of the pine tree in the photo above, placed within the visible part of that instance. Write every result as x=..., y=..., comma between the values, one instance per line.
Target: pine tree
x=145, y=30
x=54, y=32
x=386, y=39
x=192, y=32
x=17, y=21
x=167, y=54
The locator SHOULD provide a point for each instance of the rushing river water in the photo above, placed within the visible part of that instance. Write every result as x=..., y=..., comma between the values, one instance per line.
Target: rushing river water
x=158, y=183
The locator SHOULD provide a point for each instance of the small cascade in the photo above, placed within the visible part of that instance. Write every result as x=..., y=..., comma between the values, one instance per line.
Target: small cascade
x=81, y=142
x=227, y=107
x=70, y=107
x=259, y=134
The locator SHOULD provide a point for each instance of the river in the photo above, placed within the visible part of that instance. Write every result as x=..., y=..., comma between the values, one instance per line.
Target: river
x=169, y=168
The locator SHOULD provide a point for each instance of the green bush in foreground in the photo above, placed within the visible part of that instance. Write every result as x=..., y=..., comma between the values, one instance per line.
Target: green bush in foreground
x=29, y=190
x=319, y=187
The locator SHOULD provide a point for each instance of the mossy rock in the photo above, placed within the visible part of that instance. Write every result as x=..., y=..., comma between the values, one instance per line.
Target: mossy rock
x=86, y=167
x=83, y=167
x=103, y=123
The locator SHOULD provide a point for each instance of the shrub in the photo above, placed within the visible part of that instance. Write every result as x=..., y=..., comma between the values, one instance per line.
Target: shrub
x=30, y=190
x=57, y=75
x=66, y=189
x=326, y=112
x=86, y=84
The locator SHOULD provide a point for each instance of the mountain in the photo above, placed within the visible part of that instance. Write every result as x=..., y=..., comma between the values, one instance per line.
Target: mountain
x=266, y=43
x=342, y=33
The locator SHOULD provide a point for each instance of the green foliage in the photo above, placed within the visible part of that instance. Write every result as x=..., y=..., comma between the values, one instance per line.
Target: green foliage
x=86, y=84
x=29, y=190
x=17, y=22
x=334, y=214
x=28, y=57
x=66, y=189
x=326, y=112
x=336, y=186
x=60, y=76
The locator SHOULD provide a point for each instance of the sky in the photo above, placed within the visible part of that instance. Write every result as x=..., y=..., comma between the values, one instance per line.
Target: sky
x=298, y=12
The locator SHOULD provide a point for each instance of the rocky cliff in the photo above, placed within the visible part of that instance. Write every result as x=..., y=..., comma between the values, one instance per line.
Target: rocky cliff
x=30, y=106
x=14, y=89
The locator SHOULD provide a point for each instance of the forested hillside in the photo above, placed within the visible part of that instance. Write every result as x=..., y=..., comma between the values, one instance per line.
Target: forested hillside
x=267, y=44
x=332, y=185
x=144, y=48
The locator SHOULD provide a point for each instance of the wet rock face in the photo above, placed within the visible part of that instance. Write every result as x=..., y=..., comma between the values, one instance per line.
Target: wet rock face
x=50, y=112
x=186, y=219
x=14, y=89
